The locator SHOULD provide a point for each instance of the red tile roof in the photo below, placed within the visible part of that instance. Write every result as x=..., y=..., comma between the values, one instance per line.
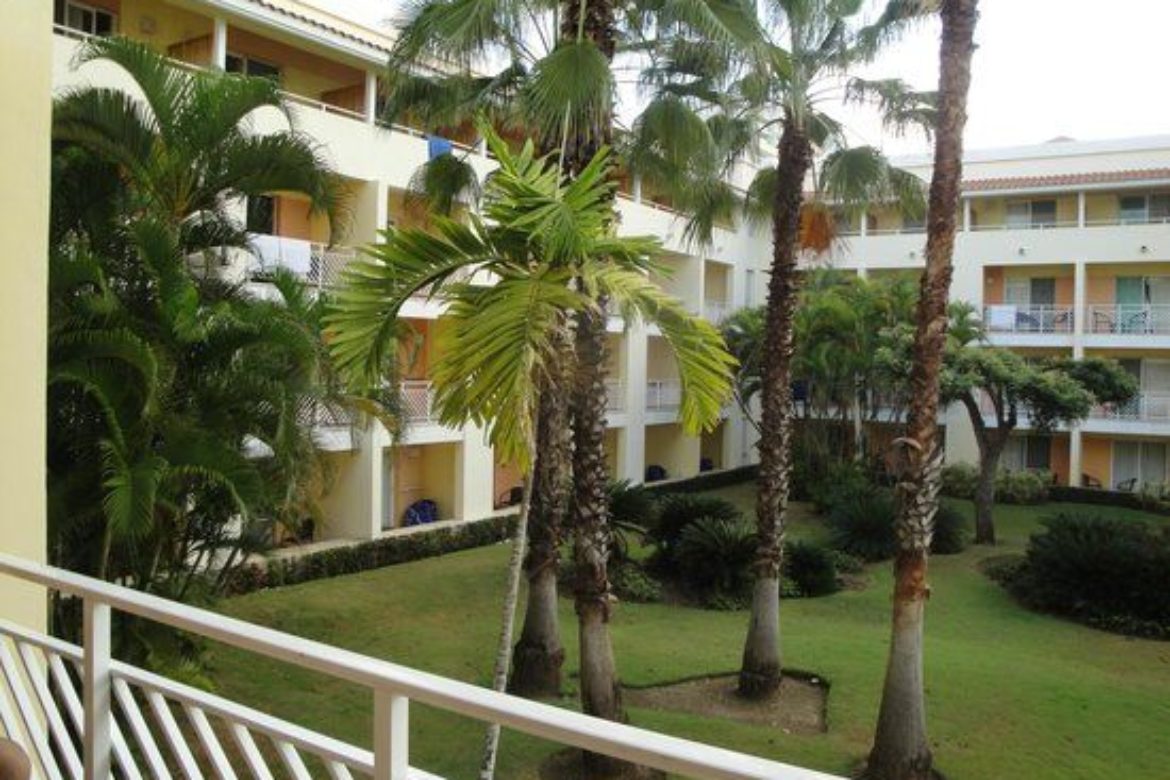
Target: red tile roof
x=1065, y=180
x=320, y=23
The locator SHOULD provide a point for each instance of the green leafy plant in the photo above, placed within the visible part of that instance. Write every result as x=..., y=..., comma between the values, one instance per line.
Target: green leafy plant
x=714, y=556
x=862, y=524
x=811, y=568
x=677, y=511
x=950, y=531
x=1105, y=571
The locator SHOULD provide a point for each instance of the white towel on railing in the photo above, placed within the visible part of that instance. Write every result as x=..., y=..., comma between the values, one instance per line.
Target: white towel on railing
x=1001, y=317
x=292, y=253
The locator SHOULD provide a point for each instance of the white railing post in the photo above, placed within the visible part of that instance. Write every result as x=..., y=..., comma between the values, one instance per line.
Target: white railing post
x=96, y=689
x=391, y=736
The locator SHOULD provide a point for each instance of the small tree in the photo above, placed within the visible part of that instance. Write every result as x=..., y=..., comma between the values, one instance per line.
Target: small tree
x=1047, y=393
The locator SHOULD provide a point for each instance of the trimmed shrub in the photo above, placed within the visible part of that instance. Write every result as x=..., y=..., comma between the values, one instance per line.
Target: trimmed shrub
x=676, y=511
x=1107, y=572
x=630, y=582
x=811, y=568
x=950, y=531
x=1022, y=487
x=959, y=480
x=714, y=556
x=862, y=524
x=375, y=554
x=846, y=563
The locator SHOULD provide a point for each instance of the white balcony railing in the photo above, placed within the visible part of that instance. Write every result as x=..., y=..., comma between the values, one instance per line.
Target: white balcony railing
x=716, y=311
x=1144, y=407
x=663, y=394
x=615, y=395
x=1036, y=318
x=144, y=724
x=1129, y=318
x=418, y=399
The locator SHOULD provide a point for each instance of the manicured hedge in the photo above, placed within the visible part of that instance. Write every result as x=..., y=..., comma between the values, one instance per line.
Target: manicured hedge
x=1099, y=497
x=375, y=554
x=709, y=480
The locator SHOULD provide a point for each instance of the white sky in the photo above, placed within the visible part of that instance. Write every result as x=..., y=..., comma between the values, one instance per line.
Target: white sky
x=1044, y=68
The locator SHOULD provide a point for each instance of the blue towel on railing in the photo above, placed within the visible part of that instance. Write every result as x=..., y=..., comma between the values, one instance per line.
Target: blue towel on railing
x=438, y=146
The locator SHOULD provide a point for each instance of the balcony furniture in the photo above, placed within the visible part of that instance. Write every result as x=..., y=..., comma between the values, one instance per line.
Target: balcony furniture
x=1135, y=321
x=421, y=512
x=1062, y=321
x=1127, y=485
x=14, y=762
x=706, y=464
x=1089, y=481
x=655, y=473
x=1102, y=322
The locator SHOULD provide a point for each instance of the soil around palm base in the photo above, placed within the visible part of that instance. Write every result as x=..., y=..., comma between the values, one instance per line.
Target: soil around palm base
x=798, y=708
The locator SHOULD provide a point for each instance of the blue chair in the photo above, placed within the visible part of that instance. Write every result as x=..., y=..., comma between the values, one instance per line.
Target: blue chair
x=421, y=512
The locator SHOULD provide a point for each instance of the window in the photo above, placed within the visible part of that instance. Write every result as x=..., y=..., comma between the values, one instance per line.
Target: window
x=262, y=215
x=1027, y=453
x=238, y=63
x=1139, y=209
x=84, y=18
x=1024, y=214
x=1137, y=463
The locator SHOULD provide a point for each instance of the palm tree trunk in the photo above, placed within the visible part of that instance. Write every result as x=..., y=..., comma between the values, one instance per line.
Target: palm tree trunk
x=539, y=655
x=487, y=769
x=901, y=750
x=601, y=694
x=760, y=672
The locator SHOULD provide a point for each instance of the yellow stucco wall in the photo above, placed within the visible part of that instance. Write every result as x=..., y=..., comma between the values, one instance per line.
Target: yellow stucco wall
x=26, y=84
x=668, y=446
x=1059, y=458
x=1097, y=458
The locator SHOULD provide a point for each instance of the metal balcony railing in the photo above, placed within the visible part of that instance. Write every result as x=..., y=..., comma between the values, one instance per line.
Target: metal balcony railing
x=1036, y=318
x=1144, y=407
x=418, y=399
x=1129, y=318
x=716, y=311
x=615, y=395
x=80, y=713
x=663, y=394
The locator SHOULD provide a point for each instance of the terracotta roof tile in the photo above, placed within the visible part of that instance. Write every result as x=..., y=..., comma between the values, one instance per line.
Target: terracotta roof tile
x=1065, y=180
x=349, y=33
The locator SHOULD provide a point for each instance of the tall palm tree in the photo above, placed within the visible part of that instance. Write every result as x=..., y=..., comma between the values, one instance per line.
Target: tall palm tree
x=725, y=79
x=549, y=77
x=547, y=239
x=901, y=750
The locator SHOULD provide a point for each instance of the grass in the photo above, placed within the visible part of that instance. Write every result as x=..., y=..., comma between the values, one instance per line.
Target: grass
x=1010, y=693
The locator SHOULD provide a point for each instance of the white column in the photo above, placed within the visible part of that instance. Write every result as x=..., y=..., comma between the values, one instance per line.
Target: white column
x=1081, y=209
x=637, y=189
x=864, y=227
x=474, y=476
x=966, y=215
x=371, y=110
x=1079, y=309
x=1075, y=457
x=96, y=690
x=633, y=461
x=219, y=44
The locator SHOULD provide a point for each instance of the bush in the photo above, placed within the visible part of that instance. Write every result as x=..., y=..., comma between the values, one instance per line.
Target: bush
x=950, y=531
x=811, y=568
x=843, y=482
x=631, y=583
x=959, y=480
x=1022, y=487
x=678, y=510
x=631, y=504
x=375, y=554
x=714, y=556
x=862, y=524
x=1108, y=572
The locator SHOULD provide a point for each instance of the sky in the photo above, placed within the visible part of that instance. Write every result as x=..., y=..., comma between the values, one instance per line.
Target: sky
x=1043, y=69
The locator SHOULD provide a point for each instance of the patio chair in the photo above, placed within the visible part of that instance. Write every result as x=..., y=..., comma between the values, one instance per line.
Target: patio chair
x=655, y=473
x=1103, y=322
x=1089, y=481
x=1127, y=485
x=1062, y=322
x=1026, y=322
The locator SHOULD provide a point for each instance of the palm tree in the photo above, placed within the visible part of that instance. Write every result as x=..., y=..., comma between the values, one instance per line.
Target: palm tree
x=550, y=78
x=724, y=79
x=184, y=151
x=175, y=398
x=901, y=750
x=547, y=239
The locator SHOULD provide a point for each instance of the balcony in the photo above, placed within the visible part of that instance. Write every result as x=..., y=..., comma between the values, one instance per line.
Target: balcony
x=663, y=395
x=1129, y=319
x=418, y=399
x=1144, y=413
x=716, y=311
x=77, y=711
x=1037, y=318
x=318, y=265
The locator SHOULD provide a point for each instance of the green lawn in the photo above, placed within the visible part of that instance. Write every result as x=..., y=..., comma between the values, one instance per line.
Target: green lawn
x=1011, y=694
